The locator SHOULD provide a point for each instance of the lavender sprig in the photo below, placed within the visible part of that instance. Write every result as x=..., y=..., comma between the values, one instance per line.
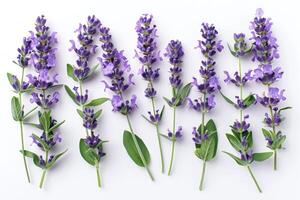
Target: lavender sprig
x=20, y=87
x=241, y=137
x=91, y=147
x=115, y=66
x=174, y=54
x=42, y=58
x=265, y=50
x=205, y=136
x=148, y=55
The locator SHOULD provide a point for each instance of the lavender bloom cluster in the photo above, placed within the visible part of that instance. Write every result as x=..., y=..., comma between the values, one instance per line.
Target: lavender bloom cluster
x=87, y=48
x=147, y=52
x=43, y=59
x=265, y=50
x=115, y=66
x=174, y=54
x=209, y=46
x=84, y=50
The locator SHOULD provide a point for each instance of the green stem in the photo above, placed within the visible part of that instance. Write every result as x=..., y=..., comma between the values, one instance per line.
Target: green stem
x=159, y=139
x=139, y=149
x=173, y=140
x=45, y=170
x=275, y=160
x=98, y=175
x=253, y=177
x=202, y=176
x=82, y=107
x=22, y=131
x=274, y=136
x=241, y=88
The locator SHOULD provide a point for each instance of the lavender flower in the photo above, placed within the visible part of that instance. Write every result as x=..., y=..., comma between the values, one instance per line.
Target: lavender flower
x=115, y=66
x=240, y=137
x=85, y=50
x=208, y=85
x=148, y=55
x=38, y=51
x=265, y=51
x=174, y=54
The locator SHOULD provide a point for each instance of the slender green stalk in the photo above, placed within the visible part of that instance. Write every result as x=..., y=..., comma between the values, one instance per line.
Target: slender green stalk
x=45, y=170
x=82, y=107
x=253, y=177
x=22, y=131
x=274, y=135
x=275, y=160
x=98, y=175
x=137, y=146
x=241, y=88
x=202, y=176
x=159, y=139
x=42, y=178
x=173, y=140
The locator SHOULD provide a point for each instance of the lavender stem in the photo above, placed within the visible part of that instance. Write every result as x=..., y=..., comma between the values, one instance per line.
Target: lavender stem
x=253, y=177
x=173, y=141
x=139, y=149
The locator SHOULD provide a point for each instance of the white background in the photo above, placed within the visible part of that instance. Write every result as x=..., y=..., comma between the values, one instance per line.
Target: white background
x=72, y=178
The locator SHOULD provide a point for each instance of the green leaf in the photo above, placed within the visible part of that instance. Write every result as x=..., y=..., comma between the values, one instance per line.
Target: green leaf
x=249, y=100
x=227, y=99
x=165, y=136
x=43, y=143
x=285, y=108
x=16, y=109
x=29, y=112
x=34, y=125
x=98, y=113
x=231, y=51
x=71, y=94
x=97, y=102
x=56, y=157
x=184, y=91
x=80, y=113
x=213, y=135
x=86, y=154
x=148, y=120
x=235, y=143
x=266, y=133
x=236, y=159
x=168, y=101
x=56, y=126
x=279, y=142
x=91, y=72
x=11, y=80
x=162, y=112
x=262, y=156
x=70, y=72
x=45, y=120
x=129, y=144
x=35, y=157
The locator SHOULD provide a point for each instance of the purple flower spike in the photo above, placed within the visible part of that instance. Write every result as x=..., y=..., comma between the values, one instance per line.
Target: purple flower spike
x=89, y=119
x=209, y=46
x=178, y=133
x=240, y=45
x=87, y=48
x=147, y=52
x=237, y=80
x=273, y=98
x=25, y=52
x=241, y=126
x=174, y=54
x=116, y=66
